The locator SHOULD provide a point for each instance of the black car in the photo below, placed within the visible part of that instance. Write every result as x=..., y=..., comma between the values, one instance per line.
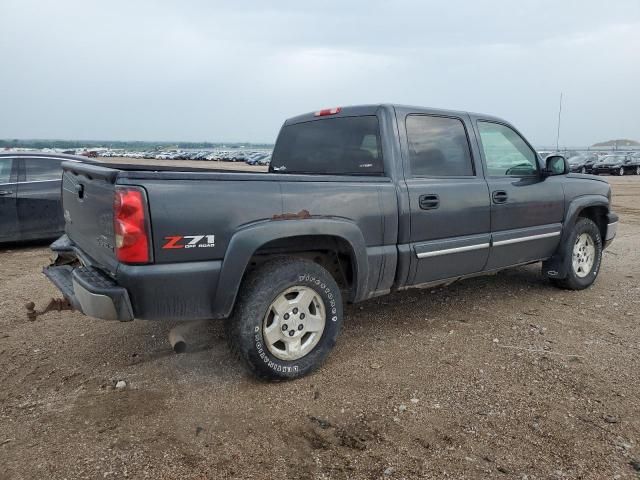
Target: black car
x=617, y=165
x=582, y=163
x=30, y=206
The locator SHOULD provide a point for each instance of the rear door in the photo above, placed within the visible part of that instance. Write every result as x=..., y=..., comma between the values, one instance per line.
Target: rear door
x=527, y=208
x=39, y=203
x=8, y=195
x=448, y=197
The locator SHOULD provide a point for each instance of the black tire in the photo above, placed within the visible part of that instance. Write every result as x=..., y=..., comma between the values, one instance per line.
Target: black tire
x=244, y=328
x=572, y=280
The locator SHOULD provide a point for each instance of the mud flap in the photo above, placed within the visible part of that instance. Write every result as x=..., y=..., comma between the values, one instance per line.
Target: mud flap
x=555, y=267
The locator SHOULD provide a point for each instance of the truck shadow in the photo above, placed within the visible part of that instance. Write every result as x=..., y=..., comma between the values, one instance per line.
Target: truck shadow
x=415, y=310
x=510, y=290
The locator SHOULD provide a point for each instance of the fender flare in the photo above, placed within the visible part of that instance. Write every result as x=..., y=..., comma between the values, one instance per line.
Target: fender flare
x=557, y=266
x=246, y=241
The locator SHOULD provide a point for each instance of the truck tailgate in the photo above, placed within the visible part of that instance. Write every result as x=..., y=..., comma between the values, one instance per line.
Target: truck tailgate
x=87, y=201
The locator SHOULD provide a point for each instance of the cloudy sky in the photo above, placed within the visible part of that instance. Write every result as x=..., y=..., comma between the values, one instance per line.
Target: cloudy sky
x=233, y=71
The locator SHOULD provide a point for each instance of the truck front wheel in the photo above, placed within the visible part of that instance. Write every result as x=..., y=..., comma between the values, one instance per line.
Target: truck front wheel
x=584, y=255
x=286, y=319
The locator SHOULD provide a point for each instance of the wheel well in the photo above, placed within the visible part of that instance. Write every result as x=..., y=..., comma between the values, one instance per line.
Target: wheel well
x=331, y=252
x=598, y=214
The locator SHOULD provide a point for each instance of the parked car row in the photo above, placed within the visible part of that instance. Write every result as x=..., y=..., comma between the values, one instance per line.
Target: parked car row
x=596, y=163
x=619, y=164
x=252, y=157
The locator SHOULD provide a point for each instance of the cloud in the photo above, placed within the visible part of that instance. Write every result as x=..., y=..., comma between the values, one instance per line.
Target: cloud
x=202, y=70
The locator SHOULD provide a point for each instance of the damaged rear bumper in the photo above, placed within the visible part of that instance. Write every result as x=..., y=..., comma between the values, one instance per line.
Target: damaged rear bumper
x=177, y=291
x=92, y=292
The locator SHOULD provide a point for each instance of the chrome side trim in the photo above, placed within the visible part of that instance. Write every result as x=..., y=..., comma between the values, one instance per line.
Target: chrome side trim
x=448, y=251
x=526, y=239
x=42, y=181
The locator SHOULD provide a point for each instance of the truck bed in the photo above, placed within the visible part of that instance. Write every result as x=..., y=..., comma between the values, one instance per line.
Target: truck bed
x=232, y=209
x=125, y=163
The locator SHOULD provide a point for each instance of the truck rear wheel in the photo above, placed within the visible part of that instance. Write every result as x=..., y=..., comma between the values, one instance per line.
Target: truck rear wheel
x=286, y=320
x=584, y=255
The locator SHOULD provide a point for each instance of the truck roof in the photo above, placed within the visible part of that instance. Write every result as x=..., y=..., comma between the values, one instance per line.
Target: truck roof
x=358, y=110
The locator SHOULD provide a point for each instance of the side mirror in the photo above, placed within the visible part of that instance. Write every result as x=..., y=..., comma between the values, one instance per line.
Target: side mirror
x=556, y=165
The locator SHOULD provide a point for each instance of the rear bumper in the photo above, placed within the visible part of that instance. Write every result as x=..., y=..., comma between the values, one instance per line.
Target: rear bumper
x=176, y=291
x=91, y=291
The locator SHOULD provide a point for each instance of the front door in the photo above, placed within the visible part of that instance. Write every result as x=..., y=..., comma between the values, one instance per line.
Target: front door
x=448, y=197
x=8, y=189
x=527, y=208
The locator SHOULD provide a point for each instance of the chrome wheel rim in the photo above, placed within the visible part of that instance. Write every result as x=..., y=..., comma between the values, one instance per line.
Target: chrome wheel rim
x=583, y=170
x=621, y=171
x=637, y=170
x=294, y=323
x=584, y=254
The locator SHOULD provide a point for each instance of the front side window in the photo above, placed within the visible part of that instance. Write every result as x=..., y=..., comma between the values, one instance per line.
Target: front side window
x=333, y=146
x=41, y=169
x=505, y=152
x=5, y=170
x=438, y=147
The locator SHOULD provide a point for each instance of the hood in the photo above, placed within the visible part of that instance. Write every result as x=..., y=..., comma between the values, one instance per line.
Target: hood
x=584, y=176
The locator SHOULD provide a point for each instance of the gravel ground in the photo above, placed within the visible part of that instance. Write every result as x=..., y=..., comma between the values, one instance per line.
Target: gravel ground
x=496, y=377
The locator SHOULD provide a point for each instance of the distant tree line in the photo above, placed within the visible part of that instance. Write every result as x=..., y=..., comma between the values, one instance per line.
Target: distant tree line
x=135, y=145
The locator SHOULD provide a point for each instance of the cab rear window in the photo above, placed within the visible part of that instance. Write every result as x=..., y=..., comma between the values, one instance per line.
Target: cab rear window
x=331, y=146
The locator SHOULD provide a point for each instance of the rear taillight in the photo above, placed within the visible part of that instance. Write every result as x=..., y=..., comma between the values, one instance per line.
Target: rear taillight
x=327, y=111
x=130, y=225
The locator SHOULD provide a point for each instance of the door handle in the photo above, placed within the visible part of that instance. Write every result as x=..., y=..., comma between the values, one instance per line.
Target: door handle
x=499, y=196
x=429, y=201
x=5, y=192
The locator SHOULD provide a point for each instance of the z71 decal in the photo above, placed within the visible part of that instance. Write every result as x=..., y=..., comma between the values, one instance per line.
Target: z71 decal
x=189, y=241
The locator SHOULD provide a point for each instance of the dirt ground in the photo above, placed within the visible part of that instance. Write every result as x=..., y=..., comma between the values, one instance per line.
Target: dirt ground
x=497, y=377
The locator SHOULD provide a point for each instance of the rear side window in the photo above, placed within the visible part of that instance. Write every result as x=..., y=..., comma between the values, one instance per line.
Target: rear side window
x=41, y=169
x=332, y=146
x=5, y=170
x=438, y=147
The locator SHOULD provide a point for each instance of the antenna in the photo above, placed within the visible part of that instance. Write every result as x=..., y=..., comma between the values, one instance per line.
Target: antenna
x=559, y=116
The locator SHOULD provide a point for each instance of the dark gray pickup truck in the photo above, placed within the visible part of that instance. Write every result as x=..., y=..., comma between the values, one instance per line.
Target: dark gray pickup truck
x=358, y=202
